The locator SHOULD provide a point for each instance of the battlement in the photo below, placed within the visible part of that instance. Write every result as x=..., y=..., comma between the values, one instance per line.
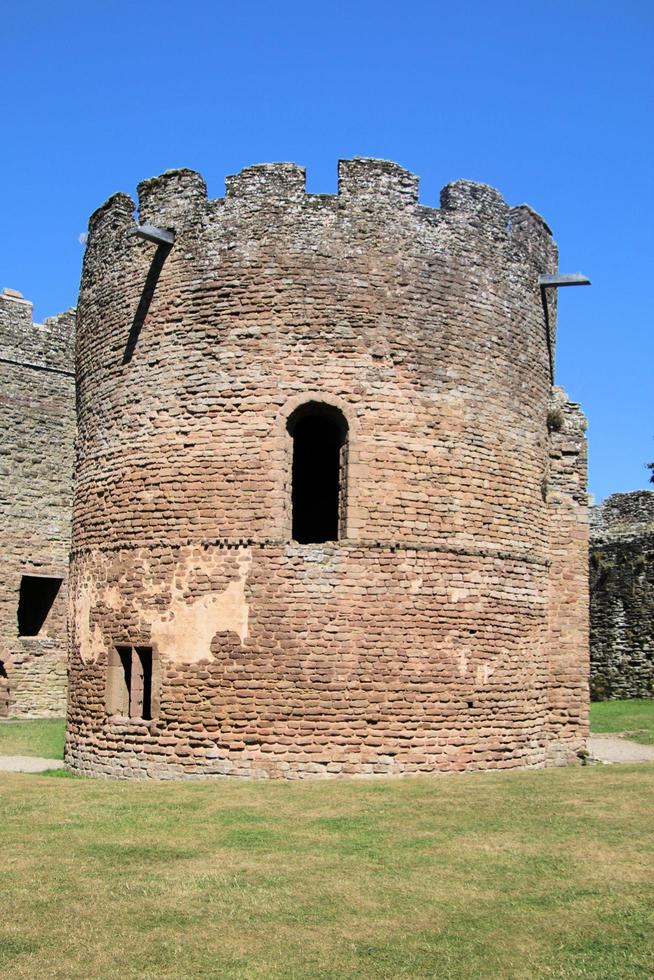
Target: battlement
x=371, y=191
x=623, y=516
x=42, y=345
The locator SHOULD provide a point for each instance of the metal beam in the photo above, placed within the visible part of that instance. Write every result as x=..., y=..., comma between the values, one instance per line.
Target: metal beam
x=564, y=279
x=150, y=233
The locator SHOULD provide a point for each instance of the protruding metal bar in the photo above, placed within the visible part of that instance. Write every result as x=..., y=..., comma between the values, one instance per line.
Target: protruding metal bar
x=564, y=279
x=150, y=233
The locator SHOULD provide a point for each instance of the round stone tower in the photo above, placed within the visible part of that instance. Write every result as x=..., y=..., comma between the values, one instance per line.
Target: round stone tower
x=330, y=514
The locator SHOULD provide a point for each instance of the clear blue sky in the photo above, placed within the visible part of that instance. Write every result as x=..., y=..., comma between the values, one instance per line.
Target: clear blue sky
x=549, y=102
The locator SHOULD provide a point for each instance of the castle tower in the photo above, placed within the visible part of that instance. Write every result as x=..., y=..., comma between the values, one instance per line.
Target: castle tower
x=330, y=514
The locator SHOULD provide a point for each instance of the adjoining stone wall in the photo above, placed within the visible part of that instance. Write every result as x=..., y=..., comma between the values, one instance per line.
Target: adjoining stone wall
x=622, y=596
x=438, y=632
x=565, y=492
x=37, y=431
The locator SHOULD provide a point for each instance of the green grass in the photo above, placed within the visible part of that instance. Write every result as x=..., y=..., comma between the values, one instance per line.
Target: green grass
x=42, y=737
x=493, y=875
x=632, y=719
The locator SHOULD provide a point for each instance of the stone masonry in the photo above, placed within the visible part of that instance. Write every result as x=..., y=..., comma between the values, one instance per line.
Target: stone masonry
x=387, y=362
x=37, y=431
x=622, y=596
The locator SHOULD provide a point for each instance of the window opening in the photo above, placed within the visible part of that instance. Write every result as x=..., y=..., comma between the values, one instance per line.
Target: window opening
x=129, y=682
x=35, y=600
x=143, y=662
x=4, y=691
x=319, y=434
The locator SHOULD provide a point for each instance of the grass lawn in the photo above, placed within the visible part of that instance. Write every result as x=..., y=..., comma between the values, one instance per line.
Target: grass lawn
x=43, y=737
x=633, y=719
x=511, y=875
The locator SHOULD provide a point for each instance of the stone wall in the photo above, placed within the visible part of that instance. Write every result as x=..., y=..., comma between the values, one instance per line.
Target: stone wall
x=622, y=596
x=565, y=492
x=445, y=628
x=37, y=430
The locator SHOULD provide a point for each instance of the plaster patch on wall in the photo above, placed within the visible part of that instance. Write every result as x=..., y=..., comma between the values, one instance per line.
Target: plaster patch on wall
x=184, y=632
x=112, y=598
x=484, y=673
x=90, y=641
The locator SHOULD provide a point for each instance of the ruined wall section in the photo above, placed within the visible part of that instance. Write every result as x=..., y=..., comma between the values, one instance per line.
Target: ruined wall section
x=564, y=489
x=420, y=640
x=37, y=430
x=622, y=596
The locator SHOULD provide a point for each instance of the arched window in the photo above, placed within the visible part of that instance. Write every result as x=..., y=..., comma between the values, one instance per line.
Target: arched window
x=319, y=433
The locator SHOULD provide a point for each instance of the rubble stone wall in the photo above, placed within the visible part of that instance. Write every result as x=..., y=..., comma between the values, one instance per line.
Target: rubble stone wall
x=565, y=491
x=37, y=431
x=421, y=640
x=622, y=596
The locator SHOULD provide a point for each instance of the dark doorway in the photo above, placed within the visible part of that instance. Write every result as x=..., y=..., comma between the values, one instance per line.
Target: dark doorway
x=319, y=434
x=4, y=691
x=37, y=595
x=145, y=677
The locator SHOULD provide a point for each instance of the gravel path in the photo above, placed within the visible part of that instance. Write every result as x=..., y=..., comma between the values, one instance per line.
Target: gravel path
x=610, y=748
x=28, y=763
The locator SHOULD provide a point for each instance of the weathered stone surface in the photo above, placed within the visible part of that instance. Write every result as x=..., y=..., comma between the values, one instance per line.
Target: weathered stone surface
x=446, y=629
x=37, y=426
x=622, y=596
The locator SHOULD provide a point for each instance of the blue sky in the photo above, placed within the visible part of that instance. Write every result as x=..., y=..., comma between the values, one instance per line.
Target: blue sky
x=552, y=103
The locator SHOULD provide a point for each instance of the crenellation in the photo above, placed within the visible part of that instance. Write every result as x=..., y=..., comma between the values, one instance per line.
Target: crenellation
x=531, y=240
x=176, y=196
x=116, y=212
x=268, y=184
x=368, y=188
x=479, y=200
x=365, y=182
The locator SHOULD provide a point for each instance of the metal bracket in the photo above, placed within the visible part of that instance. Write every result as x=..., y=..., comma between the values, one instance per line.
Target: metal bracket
x=564, y=279
x=553, y=281
x=150, y=233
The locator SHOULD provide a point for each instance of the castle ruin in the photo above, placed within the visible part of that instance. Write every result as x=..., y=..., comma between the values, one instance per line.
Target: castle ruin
x=37, y=422
x=622, y=596
x=330, y=511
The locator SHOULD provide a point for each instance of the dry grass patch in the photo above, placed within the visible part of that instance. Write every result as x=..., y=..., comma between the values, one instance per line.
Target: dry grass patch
x=535, y=874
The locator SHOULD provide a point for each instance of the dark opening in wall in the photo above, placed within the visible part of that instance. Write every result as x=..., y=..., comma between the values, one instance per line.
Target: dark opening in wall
x=4, y=691
x=129, y=682
x=36, y=597
x=319, y=478
x=144, y=670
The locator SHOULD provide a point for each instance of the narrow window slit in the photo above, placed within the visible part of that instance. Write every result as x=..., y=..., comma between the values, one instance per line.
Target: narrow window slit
x=144, y=669
x=319, y=476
